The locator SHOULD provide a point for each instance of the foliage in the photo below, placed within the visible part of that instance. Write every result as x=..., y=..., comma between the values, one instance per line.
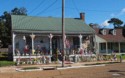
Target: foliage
x=19, y=11
x=3, y=54
x=6, y=63
x=116, y=22
x=5, y=24
x=94, y=25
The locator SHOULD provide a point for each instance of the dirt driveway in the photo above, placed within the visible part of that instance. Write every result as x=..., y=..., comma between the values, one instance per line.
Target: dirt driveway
x=108, y=71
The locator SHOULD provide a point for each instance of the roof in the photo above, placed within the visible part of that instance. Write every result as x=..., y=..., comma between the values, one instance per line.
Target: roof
x=110, y=37
x=21, y=23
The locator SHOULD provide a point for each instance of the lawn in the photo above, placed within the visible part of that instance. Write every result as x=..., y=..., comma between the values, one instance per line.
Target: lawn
x=6, y=63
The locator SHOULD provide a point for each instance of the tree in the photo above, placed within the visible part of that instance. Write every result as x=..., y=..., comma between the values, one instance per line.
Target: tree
x=116, y=22
x=94, y=25
x=5, y=24
x=19, y=11
x=5, y=29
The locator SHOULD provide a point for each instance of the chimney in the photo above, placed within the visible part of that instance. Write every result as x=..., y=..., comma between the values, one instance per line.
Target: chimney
x=82, y=16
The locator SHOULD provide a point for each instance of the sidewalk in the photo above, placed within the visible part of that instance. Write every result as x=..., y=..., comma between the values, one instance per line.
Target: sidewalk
x=12, y=69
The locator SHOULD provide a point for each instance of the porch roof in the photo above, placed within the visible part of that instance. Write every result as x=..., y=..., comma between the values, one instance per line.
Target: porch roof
x=30, y=24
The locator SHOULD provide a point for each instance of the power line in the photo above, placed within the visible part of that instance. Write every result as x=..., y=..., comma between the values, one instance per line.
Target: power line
x=41, y=11
x=93, y=10
x=44, y=10
x=47, y=7
x=34, y=9
x=37, y=6
x=58, y=8
x=75, y=6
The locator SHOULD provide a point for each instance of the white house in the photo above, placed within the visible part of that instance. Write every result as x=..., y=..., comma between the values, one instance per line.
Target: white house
x=45, y=34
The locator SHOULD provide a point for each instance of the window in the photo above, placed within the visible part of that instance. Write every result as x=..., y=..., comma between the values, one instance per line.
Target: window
x=102, y=47
x=103, y=31
x=122, y=44
x=114, y=32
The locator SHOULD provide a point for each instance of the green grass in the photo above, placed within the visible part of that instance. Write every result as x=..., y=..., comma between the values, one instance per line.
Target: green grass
x=102, y=63
x=123, y=56
x=6, y=63
x=30, y=68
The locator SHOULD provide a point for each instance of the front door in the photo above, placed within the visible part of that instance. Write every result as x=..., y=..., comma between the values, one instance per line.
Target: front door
x=76, y=42
x=55, y=44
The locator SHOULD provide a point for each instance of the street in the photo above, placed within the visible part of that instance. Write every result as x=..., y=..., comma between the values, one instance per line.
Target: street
x=116, y=70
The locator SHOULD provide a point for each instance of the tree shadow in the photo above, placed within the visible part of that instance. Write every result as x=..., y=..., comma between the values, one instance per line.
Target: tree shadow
x=115, y=71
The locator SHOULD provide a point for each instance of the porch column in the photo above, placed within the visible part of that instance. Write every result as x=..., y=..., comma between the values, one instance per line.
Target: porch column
x=106, y=48
x=14, y=35
x=119, y=47
x=32, y=37
x=80, y=40
x=50, y=37
x=24, y=38
x=95, y=44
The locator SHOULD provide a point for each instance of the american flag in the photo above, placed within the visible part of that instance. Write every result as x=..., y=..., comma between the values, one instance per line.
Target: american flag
x=67, y=43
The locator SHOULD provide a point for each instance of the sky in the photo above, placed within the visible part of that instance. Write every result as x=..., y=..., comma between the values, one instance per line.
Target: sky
x=96, y=11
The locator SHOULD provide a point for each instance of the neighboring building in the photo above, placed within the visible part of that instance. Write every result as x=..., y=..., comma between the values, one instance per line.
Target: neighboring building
x=110, y=41
x=46, y=33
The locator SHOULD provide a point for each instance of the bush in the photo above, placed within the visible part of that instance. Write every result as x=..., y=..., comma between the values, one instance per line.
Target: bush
x=6, y=63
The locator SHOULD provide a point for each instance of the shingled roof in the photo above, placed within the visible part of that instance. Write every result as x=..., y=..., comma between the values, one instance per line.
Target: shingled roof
x=48, y=25
x=110, y=37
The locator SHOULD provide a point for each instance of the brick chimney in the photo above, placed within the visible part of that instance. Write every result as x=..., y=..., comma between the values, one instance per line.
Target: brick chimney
x=82, y=16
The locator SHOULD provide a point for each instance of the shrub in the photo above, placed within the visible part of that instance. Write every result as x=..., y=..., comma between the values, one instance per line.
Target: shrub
x=6, y=63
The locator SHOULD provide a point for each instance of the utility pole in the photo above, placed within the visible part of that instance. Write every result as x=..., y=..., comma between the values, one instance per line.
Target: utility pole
x=63, y=33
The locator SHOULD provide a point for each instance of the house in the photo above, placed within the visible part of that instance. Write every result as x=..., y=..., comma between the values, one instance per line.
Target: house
x=30, y=34
x=110, y=41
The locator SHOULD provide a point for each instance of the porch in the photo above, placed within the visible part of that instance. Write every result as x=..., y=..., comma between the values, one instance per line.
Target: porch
x=43, y=49
x=112, y=47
